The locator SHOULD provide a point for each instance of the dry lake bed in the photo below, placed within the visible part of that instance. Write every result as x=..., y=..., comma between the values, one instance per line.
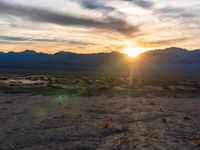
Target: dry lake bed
x=88, y=112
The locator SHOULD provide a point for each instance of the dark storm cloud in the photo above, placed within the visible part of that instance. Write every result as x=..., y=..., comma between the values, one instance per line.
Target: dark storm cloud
x=142, y=3
x=47, y=16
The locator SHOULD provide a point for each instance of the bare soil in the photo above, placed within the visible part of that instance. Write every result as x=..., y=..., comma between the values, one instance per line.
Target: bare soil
x=103, y=113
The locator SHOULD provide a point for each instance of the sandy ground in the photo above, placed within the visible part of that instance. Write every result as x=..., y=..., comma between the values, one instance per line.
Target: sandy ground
x=43, y=122
x=118, y=122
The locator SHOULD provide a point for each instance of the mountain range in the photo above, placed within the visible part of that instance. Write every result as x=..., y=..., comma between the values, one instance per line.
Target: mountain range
x=170, y=61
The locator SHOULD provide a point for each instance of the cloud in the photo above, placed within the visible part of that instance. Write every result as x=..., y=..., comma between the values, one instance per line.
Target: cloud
x=165, y=42
x=47, y=16
x=11, y=38
x=142, y=3
x=175, y=12
x=102, y=7
x=6, y=39
x=95, y=5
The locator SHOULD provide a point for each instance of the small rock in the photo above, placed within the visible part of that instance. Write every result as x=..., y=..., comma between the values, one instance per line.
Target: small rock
x=161, y=110
x=164, y=120
x=186, y=118
x=7, y=102
x=152, y=103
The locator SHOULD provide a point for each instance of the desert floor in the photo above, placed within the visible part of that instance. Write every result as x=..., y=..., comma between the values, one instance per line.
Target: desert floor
x=87, y=113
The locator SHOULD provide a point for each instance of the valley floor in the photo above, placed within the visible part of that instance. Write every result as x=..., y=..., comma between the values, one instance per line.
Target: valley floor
x=33, y=121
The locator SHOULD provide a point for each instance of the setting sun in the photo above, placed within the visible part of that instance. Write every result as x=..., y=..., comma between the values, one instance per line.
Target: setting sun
x=133, y=52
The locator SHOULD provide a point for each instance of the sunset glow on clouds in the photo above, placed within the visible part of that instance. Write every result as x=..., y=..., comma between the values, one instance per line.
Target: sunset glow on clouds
x=87, y=26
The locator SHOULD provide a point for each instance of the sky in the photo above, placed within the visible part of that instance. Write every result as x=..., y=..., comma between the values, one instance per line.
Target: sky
x=92, y=26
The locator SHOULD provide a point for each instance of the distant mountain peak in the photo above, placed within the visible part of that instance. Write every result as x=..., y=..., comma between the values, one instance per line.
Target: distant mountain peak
x=175, y=49
x=27, y=51
x=63, y=53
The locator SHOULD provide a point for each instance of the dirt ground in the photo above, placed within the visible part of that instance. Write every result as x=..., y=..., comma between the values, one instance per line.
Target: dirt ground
x=161, y=117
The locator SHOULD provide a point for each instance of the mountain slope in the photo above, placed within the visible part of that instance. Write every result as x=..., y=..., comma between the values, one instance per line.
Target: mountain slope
x=169, y=61
x=58, y=61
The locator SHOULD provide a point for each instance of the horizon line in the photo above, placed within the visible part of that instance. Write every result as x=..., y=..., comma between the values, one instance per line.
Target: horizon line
x=38, y=51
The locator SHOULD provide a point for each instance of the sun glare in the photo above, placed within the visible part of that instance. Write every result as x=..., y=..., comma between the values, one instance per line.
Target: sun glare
x=132, y=52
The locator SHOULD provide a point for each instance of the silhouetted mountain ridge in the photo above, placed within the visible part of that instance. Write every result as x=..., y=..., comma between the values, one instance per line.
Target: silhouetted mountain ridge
x=169, y=60
x=172, y=60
